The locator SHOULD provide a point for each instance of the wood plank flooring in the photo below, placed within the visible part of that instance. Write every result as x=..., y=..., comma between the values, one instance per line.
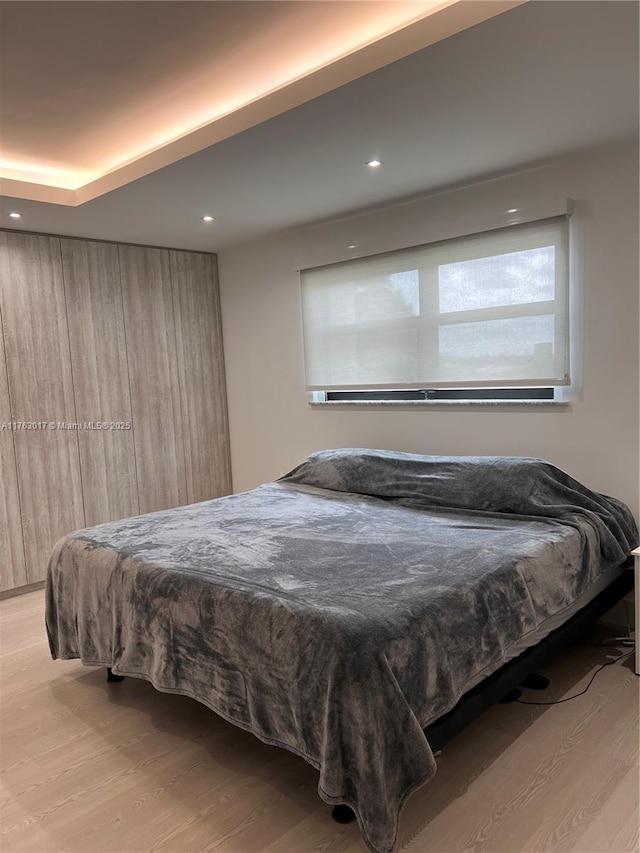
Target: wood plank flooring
x=91, y=767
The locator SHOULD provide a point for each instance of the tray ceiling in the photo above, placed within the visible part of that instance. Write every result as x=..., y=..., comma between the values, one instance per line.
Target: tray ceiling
x=96, y=94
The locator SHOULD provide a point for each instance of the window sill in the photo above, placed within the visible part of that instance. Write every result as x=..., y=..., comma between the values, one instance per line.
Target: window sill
x=440, y=404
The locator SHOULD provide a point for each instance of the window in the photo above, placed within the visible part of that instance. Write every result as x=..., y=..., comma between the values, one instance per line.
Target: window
x=487, y=310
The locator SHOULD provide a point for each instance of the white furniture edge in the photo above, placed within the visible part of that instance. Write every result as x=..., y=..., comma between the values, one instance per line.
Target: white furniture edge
x=636, y=595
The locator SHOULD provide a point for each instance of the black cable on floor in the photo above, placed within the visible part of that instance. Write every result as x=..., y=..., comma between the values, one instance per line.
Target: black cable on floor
x=582, y=692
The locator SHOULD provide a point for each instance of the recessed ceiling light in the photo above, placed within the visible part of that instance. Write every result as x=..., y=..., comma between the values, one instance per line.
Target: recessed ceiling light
x=207, y=218
x=15, y=215
x=513, y=210
x=352, y=246
x=374, y=163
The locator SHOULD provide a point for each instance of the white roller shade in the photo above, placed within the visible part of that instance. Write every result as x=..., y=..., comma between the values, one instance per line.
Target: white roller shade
x=490, y=309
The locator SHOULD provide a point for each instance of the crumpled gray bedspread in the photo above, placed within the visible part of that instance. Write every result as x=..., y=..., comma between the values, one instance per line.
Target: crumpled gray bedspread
x=341, y=609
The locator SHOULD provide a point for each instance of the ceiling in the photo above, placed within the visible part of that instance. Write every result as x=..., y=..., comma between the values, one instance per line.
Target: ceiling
x=91, y=88
x=97, y=94
x=522, y=86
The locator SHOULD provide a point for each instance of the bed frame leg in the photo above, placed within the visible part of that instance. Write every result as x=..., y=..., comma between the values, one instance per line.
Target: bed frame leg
x=112, y=677
x=535, y=682
x=343, y=814
x=511, y=696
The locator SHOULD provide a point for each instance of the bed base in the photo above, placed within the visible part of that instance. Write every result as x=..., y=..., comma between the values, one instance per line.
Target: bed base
x=504, y=684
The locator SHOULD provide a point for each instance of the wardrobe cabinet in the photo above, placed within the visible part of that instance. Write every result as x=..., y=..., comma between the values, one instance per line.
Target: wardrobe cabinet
x=200, y=362
x=154, y=377
x=13, y=570
x=38, y=366
x=120, y=348
x=95, y=317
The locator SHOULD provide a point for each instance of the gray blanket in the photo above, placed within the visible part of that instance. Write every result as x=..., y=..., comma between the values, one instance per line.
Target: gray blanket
x=340, y=610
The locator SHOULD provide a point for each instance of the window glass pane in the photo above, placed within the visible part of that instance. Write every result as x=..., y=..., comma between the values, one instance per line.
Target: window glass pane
x=383, y=355
x=510, y=279
x=407, y=286
x=517, y=347
x=371, y=300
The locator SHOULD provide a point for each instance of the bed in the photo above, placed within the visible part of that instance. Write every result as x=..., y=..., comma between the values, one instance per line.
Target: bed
x=346, y=608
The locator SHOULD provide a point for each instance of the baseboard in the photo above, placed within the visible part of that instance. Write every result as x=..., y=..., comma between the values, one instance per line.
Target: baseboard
x=21, y=590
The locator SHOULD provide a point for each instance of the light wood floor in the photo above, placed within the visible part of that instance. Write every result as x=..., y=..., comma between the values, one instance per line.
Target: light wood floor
x=91, y=767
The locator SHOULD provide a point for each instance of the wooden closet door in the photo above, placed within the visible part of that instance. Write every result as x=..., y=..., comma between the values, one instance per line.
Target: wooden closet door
x=40, y=389
x=13, y=570
x=200, y=360
x=100, y=378
x=154, y=377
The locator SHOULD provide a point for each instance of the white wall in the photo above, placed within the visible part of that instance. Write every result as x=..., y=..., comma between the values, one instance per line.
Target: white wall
x=595, y=439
